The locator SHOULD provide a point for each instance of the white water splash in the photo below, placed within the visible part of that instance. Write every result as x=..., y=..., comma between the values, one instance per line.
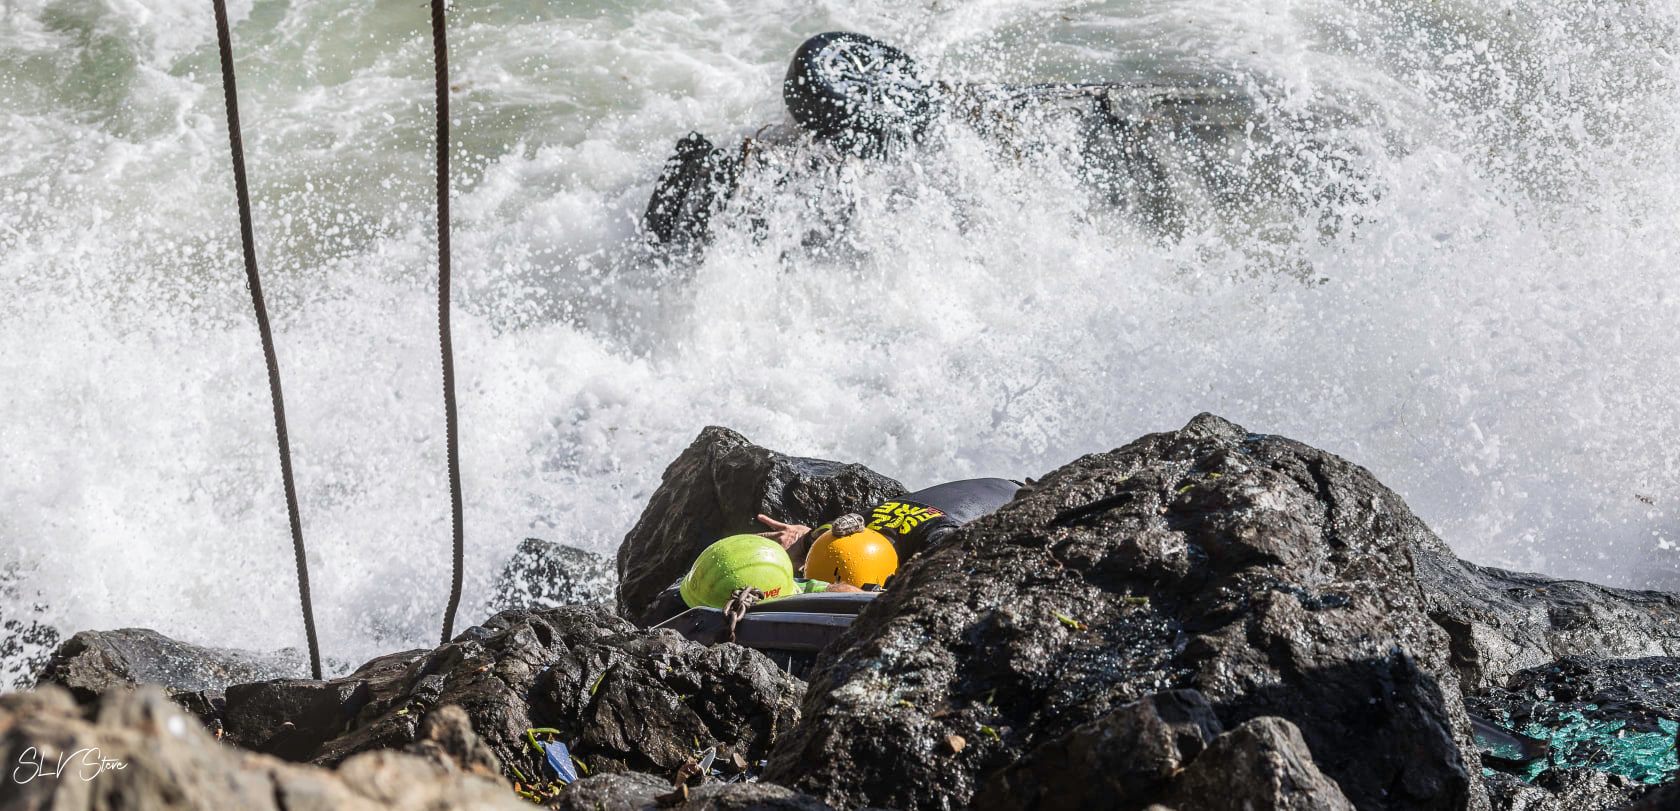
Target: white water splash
x=1487, y=323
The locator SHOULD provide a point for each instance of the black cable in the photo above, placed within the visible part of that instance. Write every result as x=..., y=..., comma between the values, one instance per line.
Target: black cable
x=231, y=92
x=440, y=57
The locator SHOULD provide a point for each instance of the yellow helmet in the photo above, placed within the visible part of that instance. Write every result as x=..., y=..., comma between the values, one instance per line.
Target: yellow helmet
x=848, y=553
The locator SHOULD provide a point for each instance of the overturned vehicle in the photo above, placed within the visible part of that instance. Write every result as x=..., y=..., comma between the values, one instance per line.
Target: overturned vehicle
x=1149, y=148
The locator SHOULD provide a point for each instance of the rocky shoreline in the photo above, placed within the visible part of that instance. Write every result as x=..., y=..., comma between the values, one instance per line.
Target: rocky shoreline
x=1206, y=618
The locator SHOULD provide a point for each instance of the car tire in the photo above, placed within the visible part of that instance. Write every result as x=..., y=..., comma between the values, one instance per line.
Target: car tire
x=857, y=91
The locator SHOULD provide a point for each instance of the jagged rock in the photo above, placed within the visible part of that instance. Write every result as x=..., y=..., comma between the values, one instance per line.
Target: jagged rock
x=716, y=488
x=1273, y=577
x=622, y=698
x=1565, y=790
x=1127, y=756
x=543, y=574
x=1661, y=798
x=634, y=791
x=1502, y=622
x=1619, y=716
x=169, y=762
x=1262, y=765
x=447, y=738
x=93, y=662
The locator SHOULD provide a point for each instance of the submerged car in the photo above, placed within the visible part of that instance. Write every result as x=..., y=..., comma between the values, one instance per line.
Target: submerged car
x=854, y=97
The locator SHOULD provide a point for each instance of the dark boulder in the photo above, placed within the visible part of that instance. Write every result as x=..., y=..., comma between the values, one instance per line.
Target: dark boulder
x=542, y=574
x=634, y=791
x=621, y=698
x=447, y=739
x=1502, y=622
x=1126, y=757
x=1566, y=790
x=92, y=662
x=1662, y=798
x=716, y=488
x=139, y=751
x=1274, y=578
x=1263, y=764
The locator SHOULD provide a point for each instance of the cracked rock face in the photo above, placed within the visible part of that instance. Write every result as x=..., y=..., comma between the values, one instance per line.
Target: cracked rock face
x=93, y=662
x=716, y=488
x=169, y=762
x=543, y=574
x=1502, y=622
x=1274, y=578
x=620, y=697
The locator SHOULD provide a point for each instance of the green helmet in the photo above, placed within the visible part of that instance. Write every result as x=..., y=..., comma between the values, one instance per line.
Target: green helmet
x=738, y=561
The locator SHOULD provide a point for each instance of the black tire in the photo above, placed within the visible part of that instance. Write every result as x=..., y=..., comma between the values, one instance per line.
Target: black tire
x=857, y=91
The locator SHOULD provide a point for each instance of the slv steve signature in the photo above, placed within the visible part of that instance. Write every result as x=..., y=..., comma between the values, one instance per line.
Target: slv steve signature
x=83, y=764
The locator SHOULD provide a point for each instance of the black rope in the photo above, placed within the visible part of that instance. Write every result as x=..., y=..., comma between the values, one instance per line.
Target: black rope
x=440, y=54
x=225, y=41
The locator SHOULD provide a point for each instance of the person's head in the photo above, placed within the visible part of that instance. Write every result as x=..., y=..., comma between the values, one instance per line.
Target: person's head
x=849, y=553
x=737, y=562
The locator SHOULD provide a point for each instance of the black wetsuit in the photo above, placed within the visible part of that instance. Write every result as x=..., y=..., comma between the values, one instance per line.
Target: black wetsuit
x=916, y=521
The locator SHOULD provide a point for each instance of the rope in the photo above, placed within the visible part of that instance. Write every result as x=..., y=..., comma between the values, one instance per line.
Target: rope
x=440, y=57
x=225, y=42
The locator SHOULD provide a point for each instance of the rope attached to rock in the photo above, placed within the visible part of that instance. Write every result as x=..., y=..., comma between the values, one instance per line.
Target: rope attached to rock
x=740, y=602
x=224, y=41
x=440, y=58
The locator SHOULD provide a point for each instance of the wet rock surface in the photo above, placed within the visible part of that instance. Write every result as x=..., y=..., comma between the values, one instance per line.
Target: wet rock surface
x=1274, y=578
x=632, y=791
x=1263, y=763
x=1565, y=790
x=137, y=750
x=1126, y=757
x=1502, y=622
x=543, y=574
x=93, y=662
x=621, y=698
x=1619, y=717
x=716, y=488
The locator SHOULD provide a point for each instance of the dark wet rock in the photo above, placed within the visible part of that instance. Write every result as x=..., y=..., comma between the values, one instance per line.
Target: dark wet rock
x=651, y=701
x=1274, y=578
x=288, y=718
x=1126, y=757
x=543, y=574
x=618, y=791
x=620, y=697
x=1262, y=764
x=1565, y=790
x=716, y=488
x=1661, y=798
x=93, y=662
x=447, y=738
x=634, y=791
x=1619, y=716
x=1502, y=622
x=168, y=761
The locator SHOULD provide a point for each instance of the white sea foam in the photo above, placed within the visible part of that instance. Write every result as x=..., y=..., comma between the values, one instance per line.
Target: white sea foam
x=1485, y=319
